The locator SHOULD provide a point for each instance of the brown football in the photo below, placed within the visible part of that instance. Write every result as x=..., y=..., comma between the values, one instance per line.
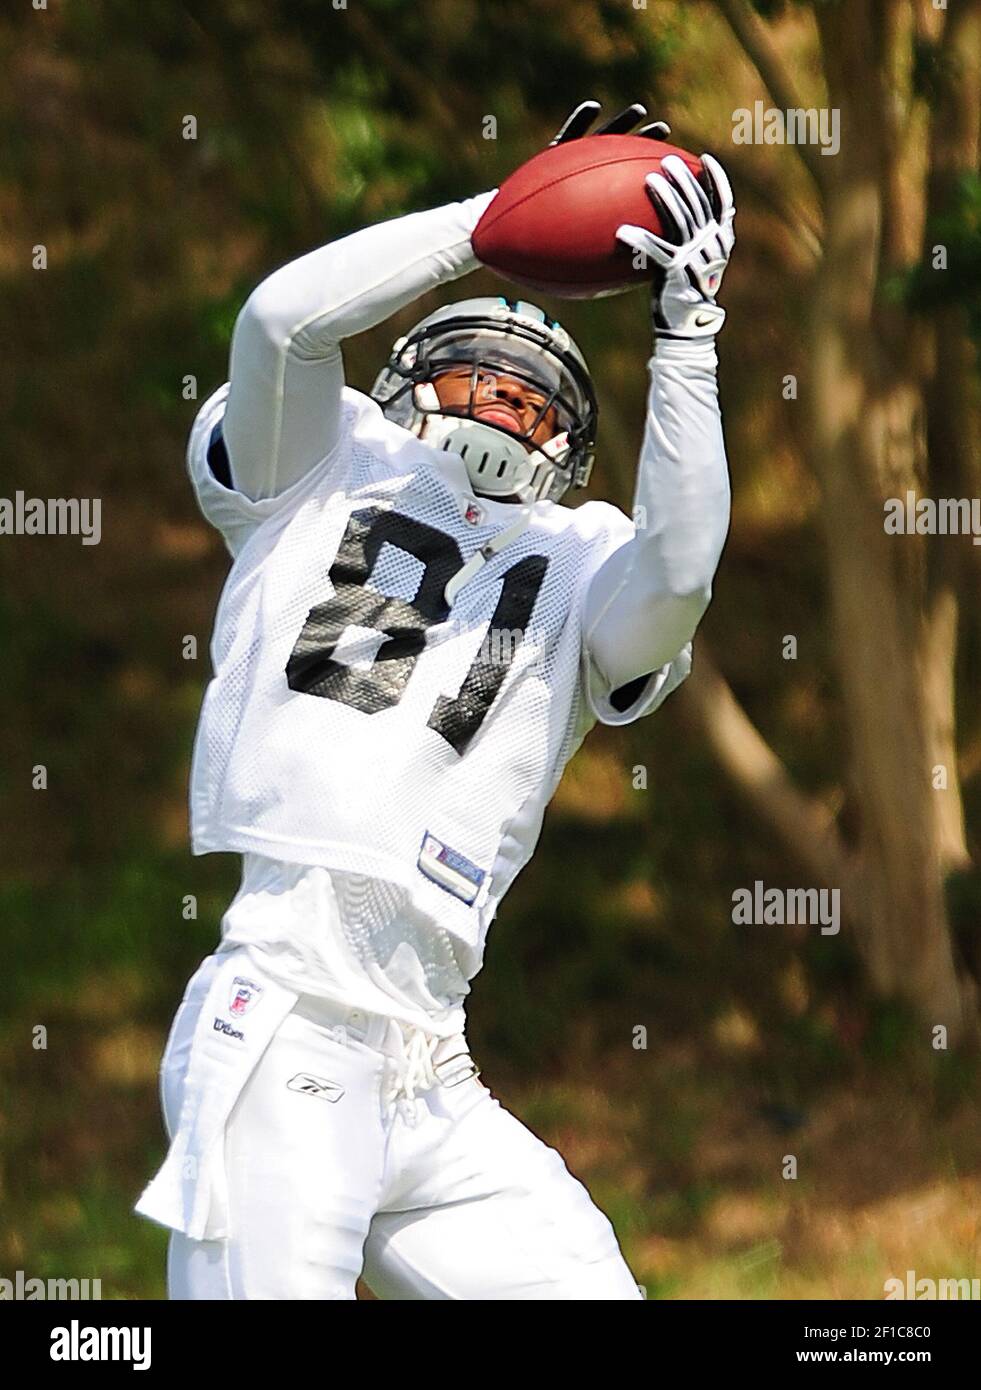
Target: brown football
x=553, y=223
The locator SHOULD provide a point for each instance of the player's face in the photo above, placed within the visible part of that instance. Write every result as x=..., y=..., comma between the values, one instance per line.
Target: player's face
x=506, y=401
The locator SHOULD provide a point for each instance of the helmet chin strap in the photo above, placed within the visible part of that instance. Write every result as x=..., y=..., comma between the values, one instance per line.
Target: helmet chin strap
x=487, y=552
x=496, y=465
x=499, y=465
x=471, y=440
x=480, y=445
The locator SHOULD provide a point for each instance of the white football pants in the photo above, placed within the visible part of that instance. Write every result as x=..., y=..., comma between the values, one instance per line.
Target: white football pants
x=330, y=1176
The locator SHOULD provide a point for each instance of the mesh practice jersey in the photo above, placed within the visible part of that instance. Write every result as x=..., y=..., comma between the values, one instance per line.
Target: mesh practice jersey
x=353, y=939
x=357, y=722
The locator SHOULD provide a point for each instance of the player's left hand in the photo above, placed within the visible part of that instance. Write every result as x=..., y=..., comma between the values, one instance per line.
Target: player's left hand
x=693, y=252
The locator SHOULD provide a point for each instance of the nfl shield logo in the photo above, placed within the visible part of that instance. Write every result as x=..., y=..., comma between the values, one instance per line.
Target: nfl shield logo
x=244, y=995
x=473, y=514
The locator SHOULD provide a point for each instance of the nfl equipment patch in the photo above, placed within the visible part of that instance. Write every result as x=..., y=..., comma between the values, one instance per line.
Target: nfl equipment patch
x=450, y=869
x=244, y=993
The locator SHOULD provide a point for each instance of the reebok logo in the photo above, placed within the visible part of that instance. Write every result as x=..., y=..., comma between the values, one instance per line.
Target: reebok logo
x=309, y=1085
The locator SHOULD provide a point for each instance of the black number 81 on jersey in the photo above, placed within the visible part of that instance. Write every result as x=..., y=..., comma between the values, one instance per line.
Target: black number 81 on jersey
x=312, y=669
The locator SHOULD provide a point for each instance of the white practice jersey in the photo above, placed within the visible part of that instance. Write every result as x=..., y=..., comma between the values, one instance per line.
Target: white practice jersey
x=358, y=722
x=382, y=759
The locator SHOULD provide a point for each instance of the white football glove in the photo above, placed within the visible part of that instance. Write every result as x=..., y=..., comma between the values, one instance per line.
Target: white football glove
x=578, y=122
x=693, y=253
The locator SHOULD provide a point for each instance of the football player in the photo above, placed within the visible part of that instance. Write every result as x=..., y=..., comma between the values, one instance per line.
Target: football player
x=414, y=638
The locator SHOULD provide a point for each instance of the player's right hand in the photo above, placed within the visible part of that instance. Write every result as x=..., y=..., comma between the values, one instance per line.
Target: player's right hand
x=577, y=124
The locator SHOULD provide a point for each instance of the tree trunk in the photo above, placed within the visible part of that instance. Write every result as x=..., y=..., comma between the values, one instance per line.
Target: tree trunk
x=953, y=419
x=866, y=436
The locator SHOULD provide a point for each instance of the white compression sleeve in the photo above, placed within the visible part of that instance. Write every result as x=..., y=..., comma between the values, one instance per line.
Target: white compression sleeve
x=286, y=373
x=646, y=599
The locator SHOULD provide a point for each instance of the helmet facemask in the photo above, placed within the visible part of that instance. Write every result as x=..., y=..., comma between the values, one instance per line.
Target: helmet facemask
x=501, y=463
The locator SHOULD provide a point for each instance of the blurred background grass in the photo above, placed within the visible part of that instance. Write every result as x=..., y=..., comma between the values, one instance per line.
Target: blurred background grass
x=761, y=1042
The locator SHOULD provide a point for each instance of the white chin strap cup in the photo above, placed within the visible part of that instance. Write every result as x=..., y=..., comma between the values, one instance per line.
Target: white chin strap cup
x=497, y=466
